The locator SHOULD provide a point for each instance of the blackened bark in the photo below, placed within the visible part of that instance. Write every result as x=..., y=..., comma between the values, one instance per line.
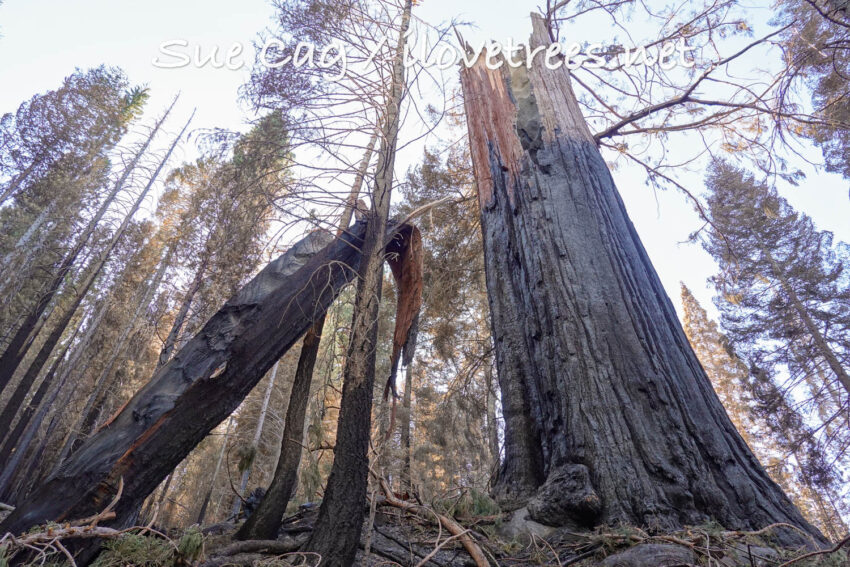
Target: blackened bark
x=492, y=423
x=587, y=341
x=199, y=387
x=406, y=450
x=265, y=522
x=337, y=531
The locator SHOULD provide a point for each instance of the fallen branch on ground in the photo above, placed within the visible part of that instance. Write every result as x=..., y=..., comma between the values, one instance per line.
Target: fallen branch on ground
x=48, y=541
x=267, y=546
x=451, y=526
x=835, y=549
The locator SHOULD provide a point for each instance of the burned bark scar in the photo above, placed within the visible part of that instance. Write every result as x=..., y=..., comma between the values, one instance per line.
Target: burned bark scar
x=529, y=126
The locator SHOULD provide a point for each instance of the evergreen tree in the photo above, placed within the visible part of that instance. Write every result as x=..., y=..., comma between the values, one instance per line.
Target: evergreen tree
x=817, y=56
x=74, y=123
x=784, y=293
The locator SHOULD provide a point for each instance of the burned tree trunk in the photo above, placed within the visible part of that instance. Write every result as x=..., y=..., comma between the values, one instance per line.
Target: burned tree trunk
x=609, y=416
x=337, y=531
x=265, y=522
x=199, y=387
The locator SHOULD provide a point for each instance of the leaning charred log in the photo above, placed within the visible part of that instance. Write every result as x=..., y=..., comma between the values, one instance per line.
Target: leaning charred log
x=200, y=386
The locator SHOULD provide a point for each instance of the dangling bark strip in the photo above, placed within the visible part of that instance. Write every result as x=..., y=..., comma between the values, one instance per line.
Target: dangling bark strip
x=407, y=269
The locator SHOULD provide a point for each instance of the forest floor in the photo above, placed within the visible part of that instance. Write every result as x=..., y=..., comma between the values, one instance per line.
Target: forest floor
x=393, y=537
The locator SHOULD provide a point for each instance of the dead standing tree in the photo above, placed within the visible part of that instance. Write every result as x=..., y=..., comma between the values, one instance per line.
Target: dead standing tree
x=609, y=416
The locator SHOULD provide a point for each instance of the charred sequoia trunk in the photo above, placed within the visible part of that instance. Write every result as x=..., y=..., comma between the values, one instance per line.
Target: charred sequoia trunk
x=199, y=387
x=609, y=416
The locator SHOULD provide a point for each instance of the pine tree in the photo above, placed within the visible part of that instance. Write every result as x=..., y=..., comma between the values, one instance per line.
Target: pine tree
x=74, y=123
x=784, y=294
x=818, y=60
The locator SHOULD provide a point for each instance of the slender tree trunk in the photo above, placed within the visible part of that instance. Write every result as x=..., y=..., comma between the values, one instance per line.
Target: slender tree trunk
x=817, y=337
x=97, y=398
x=180, y=318
x=156, y=500
x=492, y=422
x=25, y=239
x=609, y=416
x=199, y=387
x=337, y=531
x=255, y=443
x=18, y=180
x=203, y=512
x=25, y=384
x=26, y=333
x=18, y=441
x=265, y=522
x=10, y=441
x=73, y=362
x=406, y=418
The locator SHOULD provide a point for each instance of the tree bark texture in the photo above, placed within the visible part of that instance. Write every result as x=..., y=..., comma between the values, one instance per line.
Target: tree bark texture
x=337, y=531
x=199, y=387
x=597, y=377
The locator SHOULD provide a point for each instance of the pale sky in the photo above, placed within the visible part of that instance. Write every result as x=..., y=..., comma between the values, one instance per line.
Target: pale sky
x=42, y=41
